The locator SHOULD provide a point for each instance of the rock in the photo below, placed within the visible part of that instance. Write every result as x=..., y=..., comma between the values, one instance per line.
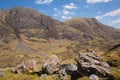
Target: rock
x=25, y=66
x=2, y=73
x=67, y=69
x=51, y=65
x=62, y=74
x=89, y=63
x=119, y=70
x=70, y=67
x=93, y=77
x=43, y=76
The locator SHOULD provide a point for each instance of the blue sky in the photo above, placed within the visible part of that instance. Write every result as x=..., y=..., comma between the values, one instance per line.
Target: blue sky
x=106, y=11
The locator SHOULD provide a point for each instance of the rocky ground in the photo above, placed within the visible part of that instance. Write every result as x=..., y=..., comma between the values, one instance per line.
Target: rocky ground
x=87, y=64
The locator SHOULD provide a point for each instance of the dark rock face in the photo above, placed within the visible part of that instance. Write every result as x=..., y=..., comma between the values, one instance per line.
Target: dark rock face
x=51, y=65
x=25, y=66
x=20, y=18
x=89, y=63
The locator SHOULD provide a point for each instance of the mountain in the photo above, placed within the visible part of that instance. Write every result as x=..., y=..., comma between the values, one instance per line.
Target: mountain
x=91, y=28
x=20, y=21
x=24, y=30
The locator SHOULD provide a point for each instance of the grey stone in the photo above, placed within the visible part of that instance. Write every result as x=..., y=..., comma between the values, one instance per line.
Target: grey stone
x=93, y=77
x=51, y=65
x=67, y=69
x=70, y=67
x=43, y=76
x=89, y=63
x=2, y=73
x=62, y=74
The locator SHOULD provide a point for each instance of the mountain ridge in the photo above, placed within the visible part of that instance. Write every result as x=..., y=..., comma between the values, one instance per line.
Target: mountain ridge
x=21, y=21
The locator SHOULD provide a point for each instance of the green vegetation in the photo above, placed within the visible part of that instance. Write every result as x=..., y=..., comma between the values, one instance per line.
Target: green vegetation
x=26, y=76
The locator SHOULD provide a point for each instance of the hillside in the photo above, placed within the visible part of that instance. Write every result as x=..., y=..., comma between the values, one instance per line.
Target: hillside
x=24, y=31
x=92, y=28
x=113, y=56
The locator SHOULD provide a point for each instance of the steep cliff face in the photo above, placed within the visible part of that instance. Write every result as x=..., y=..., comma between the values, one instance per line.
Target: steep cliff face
x=23, y=20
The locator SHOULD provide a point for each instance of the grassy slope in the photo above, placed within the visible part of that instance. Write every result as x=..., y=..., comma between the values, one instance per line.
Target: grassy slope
x=26, y=76
x=113, y=58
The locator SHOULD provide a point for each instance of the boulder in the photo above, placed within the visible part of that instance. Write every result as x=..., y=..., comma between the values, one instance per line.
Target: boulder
x=25, y=66
x=67, y=69
x=51, y=65
x=89, y=63
x=93, y=77
x=62, y=74
x=2, y=73
x=43, y=76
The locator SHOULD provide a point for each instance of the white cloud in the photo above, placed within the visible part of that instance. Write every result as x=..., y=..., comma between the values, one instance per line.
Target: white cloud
x=109, y=14
x=56, y=12
x=97, y=1
x=43, y=1
x=66, y=12
x=55, y=9
x=98, y=17
x=66, y=17
x=115, y=21
x=113, y=13
x=111, y=18
x=99, y=12
x=70, y=6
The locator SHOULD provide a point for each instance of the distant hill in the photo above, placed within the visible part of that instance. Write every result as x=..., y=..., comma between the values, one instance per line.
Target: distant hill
x=92, y=28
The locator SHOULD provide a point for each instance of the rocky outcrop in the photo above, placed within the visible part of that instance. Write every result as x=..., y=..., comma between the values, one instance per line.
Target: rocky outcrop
x=51, y=65
x=25, y=66
x=89, y=63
